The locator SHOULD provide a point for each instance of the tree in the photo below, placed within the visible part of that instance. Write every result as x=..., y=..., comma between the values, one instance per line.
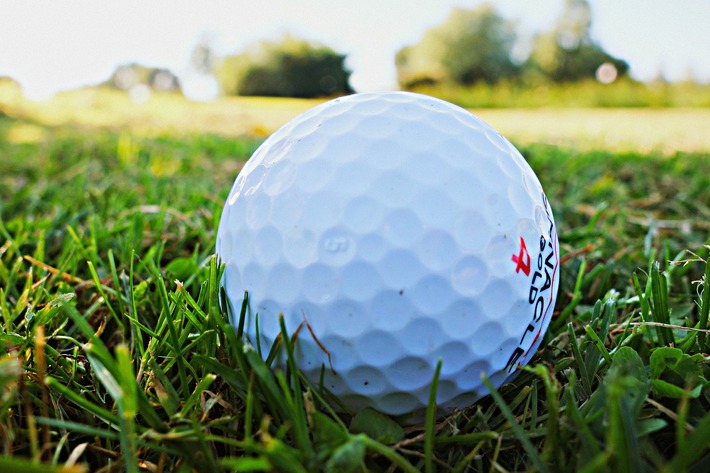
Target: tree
x=289, y=68
x=203, y=58
x=468, y=47
x=568, y=53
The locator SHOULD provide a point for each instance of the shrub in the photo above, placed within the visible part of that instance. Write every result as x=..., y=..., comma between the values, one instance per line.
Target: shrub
x=290, y=68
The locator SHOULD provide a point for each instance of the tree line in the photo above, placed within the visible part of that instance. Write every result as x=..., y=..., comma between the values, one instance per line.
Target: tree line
x=470, y=46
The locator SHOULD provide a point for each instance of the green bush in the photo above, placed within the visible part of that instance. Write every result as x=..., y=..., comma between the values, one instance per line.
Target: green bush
x=290, y=68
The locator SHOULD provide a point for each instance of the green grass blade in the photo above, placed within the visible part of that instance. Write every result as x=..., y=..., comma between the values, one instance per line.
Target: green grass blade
x=195, y=396
x=596, y=331
x=581, y=365
x=298, y=412
x=429, y=429
x=518, y=431
x=95, y=344
x=116, y=283
x=213, y=309
x=589, y=442
x=79, y=428
x=246, y=464
x=20, y=465
x=621, y=433
x=234, y=377
x=391, y=455
x=269, y=387
x=82, y=402
x=598, y=343
x=127, y=401
x=661, y=310
x=704, y=307
x=643, y=301
x=167, y=395
x=551, y=449
x=694, y=447
x=167, y=316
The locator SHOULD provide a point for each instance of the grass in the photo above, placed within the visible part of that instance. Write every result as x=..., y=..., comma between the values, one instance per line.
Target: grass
x=115, y=355
x=623, y=93
x=552, y=121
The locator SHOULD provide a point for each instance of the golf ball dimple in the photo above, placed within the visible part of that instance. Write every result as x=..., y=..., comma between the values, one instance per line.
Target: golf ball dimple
x=402, y=230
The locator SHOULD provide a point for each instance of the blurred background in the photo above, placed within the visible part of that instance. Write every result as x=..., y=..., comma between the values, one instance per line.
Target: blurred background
x=139, y=64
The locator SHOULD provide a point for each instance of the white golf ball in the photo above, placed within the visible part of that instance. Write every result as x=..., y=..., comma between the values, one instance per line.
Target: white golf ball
x=395, y=230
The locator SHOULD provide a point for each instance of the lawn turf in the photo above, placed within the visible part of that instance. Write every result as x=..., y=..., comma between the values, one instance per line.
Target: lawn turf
x=114, y=354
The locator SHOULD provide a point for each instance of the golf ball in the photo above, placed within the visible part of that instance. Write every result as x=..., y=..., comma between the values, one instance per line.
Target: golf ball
x=392, y=230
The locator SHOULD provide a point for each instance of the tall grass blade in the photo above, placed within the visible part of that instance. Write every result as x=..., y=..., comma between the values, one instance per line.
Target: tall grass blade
x=518, y=431
x=431, y=411
x=661, y=310
x=704, y=307
x=127, y=401
x=167, y=315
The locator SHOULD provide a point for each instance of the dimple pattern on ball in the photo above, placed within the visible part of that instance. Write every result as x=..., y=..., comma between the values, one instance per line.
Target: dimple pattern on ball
x=393, y=224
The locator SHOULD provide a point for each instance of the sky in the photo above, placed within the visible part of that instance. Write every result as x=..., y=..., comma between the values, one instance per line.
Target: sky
x=49, y=46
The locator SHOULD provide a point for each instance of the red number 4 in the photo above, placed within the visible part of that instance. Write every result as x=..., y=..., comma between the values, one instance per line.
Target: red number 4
x=522, y=259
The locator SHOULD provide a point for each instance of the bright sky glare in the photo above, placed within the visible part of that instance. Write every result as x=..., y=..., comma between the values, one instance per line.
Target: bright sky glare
x=51, y=46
